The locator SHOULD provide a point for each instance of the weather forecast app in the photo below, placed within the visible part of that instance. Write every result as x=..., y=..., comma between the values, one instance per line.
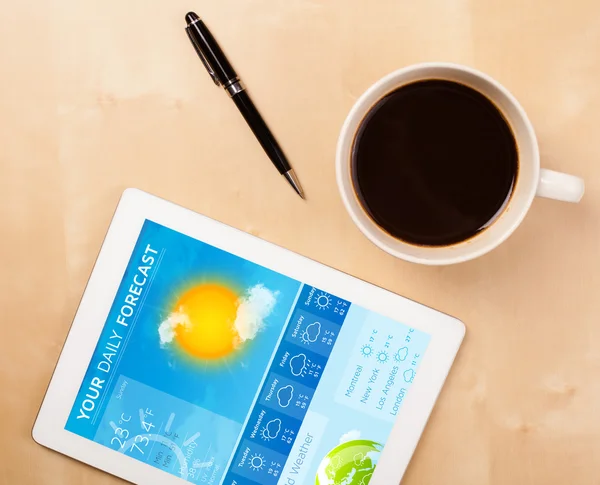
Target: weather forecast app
x=217, y=370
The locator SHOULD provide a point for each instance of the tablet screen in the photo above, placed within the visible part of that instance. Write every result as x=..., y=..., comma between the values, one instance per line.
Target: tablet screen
x=218, y=370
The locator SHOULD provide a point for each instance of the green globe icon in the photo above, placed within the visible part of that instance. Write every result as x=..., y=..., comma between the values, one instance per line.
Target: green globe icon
x=351, y=463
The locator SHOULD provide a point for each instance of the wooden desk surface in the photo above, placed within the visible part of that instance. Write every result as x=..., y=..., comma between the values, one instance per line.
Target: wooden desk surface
x=99, y=95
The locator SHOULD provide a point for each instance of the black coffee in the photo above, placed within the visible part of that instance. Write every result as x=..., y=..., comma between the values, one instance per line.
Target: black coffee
x=434, y=162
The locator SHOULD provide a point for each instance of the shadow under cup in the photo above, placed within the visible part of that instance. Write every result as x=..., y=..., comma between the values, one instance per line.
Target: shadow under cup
x=513, y=196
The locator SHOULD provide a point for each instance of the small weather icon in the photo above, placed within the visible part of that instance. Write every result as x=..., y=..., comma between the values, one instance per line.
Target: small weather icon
x=298, y=365
x=256, y=462
x=359, y=459
x=285, y=395
x=366, y=350
x=409, y=375
x=323, y=301
x=271, y=430
x=401, y=354
x=382, y=356
x=311, y=334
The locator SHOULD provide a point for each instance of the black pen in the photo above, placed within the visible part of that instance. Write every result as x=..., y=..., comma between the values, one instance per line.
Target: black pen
x=224, y=75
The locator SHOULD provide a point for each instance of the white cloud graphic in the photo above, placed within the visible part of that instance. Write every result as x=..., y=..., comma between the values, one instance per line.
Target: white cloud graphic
x=253, y=308
x=350, y=436
x=166, y=330
x=311, y=333
x=298, y=364
x=285, y=395
x=271, y=429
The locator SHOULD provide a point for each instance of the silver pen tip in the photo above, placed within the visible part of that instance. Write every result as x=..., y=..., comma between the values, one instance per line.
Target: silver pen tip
x=294, y=182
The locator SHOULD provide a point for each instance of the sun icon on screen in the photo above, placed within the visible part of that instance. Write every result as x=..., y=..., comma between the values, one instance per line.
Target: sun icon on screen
x=257, y=462
x=323, y=301
x=209, y=332
x=366, y=350
x=382, y=357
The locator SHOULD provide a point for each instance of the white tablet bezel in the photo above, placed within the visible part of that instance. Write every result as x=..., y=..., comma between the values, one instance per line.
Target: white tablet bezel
x=134, y=208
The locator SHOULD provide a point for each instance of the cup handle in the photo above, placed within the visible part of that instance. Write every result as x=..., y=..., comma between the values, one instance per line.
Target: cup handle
x=560, y=186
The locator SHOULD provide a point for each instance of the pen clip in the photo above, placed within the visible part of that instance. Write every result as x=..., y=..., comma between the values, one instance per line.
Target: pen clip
x=204, y=60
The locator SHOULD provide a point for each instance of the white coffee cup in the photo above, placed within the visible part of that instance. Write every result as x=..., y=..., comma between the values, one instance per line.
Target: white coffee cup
x=531, y=180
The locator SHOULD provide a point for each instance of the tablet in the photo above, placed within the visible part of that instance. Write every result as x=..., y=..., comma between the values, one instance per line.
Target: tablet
x=200, y=353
